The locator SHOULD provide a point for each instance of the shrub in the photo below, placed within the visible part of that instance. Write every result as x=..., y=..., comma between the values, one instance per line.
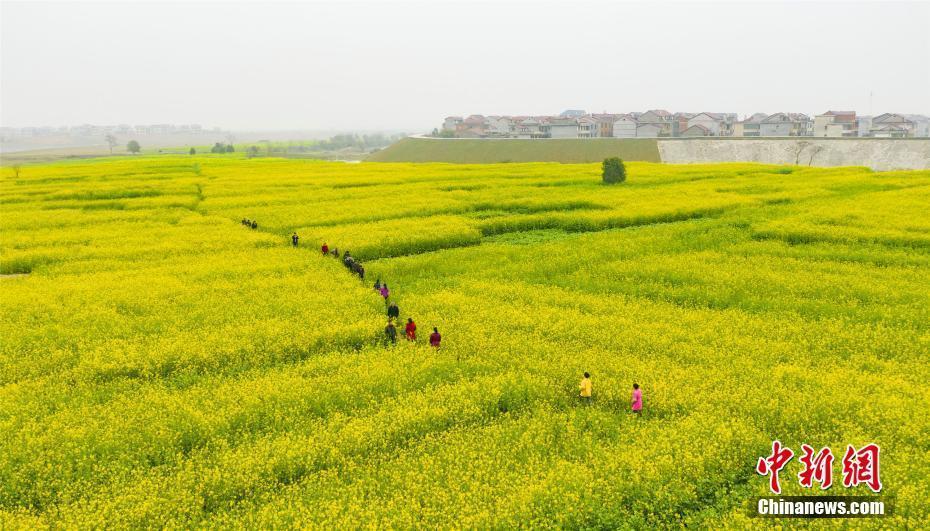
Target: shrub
x=614, y=170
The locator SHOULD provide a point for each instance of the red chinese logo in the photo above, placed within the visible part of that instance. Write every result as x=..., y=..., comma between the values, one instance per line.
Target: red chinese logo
x=862, y=467
x=773, y=464
x=859, y=466
x=817, y=468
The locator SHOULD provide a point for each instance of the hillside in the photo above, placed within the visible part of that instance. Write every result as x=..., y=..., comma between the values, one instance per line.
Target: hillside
x=480, y=151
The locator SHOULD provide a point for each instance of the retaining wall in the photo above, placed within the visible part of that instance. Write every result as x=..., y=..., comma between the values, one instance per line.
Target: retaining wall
x=876, y=153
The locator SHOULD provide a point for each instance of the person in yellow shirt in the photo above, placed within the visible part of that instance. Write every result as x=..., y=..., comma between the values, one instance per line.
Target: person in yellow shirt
x=585, y=388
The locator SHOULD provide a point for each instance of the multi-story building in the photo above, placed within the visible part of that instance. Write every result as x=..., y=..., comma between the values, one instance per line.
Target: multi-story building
x=891, y=125
x=605, y=124
x=451, y=123
x=563, y=128
x=682, y=120
x=717, y=123
x=750, y=126
x=624, y=127
x=588, y=127
x=662, y=119
x=649, y=130
x=499, y=126
x=786, y=124
x=836, y=124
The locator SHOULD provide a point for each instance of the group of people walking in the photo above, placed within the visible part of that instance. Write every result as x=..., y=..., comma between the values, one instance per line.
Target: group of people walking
x=251, y=223
x=393, y=315
x=587, y=392
x=393, y=311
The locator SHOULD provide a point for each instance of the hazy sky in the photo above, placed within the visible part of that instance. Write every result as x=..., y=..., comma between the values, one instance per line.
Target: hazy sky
x=406, y=65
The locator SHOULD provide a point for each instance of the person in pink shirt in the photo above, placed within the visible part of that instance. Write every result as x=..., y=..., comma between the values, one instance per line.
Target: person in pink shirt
x=385, y=292
x=636, y=402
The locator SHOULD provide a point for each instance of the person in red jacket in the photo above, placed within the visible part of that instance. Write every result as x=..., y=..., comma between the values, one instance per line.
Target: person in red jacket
x=411, y=330
x=435, y=338
x=325, y=248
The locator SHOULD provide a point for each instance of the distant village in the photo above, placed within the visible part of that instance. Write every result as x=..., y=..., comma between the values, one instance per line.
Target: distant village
x=660, y=123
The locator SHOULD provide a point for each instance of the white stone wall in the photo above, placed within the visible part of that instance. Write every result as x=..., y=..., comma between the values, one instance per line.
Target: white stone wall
x=878, y=154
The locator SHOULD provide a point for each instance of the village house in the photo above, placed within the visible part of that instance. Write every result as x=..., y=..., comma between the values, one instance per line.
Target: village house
x=661, y=119
x=786, y=124
x=921, y=124
x=451, y=123
x=605, y=124
x=891, y=125
x=624, y=127
x=563, y=128
x=529, y=127
x=474, y=126
x=836, y=124
x=499, y=126
x=864, y=125
x=588, y=127
x=682, y=119
x=716, y=123
x=750, y=126
x=649, y=130
x=697, y=130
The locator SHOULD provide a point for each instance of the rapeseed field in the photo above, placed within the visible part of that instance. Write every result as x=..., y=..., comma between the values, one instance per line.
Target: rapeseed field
x=163, y=365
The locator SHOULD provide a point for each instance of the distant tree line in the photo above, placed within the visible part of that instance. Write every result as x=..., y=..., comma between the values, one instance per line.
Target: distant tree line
x=220, y=147
x=352, y=142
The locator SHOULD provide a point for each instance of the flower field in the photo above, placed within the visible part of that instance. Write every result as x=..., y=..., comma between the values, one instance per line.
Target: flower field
x=162, y=365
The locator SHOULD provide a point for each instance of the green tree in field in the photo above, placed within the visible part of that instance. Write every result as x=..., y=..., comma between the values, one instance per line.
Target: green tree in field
x=193, y=151
x=614, y=170
x=252, y=151
x=133, y=147
x=229, y=148
x=218, y=148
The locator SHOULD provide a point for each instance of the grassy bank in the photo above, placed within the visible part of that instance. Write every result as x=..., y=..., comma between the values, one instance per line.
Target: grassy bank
x=480, y=151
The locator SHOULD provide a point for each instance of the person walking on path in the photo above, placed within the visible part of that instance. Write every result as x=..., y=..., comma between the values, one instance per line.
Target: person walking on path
x=336, y=252
x=393, y=311
x=378, y=285
x=411, y=330
x=435, y=338
x=254, y=224
x=360, y=269
x=385, y=292
x=391, y=332
x=294, y=238
x=325, y=249
x=636, y=400
x=586, y=388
